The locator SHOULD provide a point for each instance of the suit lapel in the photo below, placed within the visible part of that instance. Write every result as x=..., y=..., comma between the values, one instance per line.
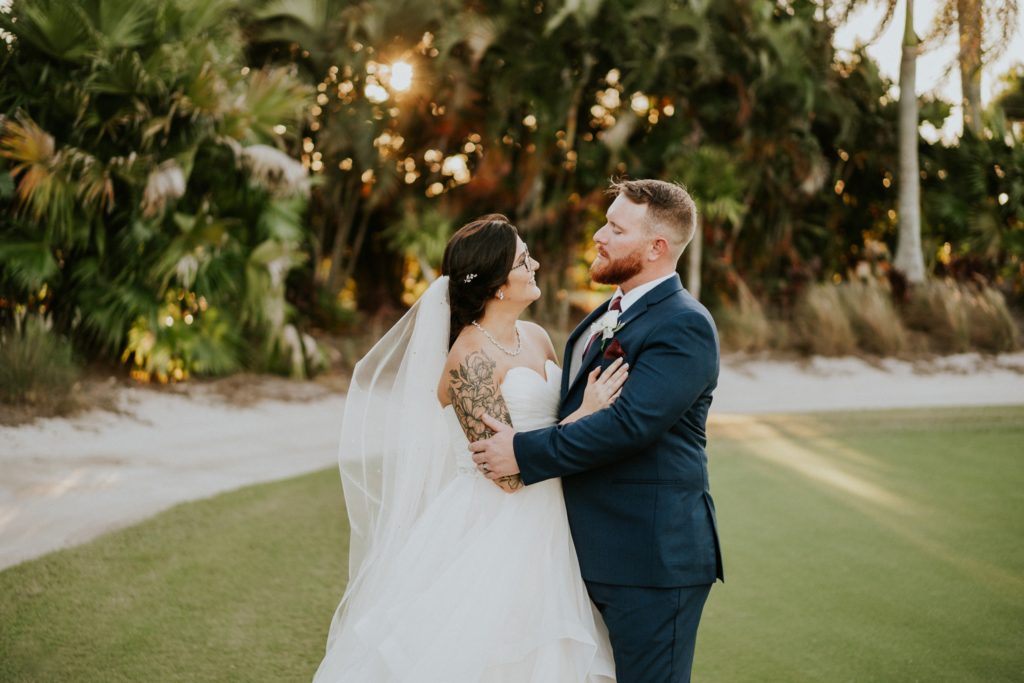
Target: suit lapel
x=588, y=358
x=576, y=333
x=637, y=309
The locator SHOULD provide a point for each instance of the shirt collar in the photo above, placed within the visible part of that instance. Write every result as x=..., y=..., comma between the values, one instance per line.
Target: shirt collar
x=634, y=294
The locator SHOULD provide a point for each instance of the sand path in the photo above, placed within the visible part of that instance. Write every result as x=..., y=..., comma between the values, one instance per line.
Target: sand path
x=66, y=481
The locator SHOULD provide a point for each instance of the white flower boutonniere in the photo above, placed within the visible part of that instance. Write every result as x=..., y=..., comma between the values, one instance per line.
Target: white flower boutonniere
x=607, y=325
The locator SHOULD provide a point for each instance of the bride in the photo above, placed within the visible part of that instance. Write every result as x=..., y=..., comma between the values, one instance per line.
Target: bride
x=453, y=579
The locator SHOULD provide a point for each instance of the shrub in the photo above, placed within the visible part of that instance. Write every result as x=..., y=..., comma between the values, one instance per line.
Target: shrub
x=938, y=309
x=145, y=173
x=742, y=324
x=37, y=367
x=181, y=341
x=839, y=319
x=989, y=321
x=820, y=323
x=959, y=317
x=873, y=318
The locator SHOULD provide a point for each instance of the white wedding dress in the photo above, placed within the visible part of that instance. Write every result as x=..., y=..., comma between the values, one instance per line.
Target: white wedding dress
x=485, y=587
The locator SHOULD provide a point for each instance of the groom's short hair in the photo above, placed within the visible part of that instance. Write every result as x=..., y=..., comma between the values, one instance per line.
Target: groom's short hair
x=670, y=208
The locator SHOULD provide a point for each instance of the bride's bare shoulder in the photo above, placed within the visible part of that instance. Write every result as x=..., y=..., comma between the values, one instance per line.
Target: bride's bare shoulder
x=540, y=337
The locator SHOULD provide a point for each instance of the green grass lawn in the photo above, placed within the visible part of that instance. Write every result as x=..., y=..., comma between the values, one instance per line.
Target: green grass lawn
x=858, y=547
x=240, y=587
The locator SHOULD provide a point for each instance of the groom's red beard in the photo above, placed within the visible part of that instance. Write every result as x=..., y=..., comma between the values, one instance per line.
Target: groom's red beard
x=615, y=272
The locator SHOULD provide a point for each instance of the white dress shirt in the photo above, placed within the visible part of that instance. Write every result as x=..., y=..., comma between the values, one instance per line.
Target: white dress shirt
x=628, y=299
x=634, y=294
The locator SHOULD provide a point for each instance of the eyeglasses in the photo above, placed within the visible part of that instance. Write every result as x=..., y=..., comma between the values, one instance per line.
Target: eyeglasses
x=524, y=261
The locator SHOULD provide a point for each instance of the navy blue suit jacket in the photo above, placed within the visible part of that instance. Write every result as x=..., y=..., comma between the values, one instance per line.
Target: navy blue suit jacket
x=635, y=475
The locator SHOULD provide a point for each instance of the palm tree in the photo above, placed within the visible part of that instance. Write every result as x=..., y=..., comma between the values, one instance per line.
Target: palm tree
x=970, y=25
x=909, y=256
x=984, y=30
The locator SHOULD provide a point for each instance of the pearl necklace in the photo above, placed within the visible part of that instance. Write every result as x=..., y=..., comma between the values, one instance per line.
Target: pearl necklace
x=519, y=340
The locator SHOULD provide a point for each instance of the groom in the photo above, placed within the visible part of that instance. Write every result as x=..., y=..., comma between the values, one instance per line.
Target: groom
x=635, y=475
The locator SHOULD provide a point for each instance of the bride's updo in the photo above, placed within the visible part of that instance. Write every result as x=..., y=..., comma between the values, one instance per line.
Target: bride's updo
x=477, y=261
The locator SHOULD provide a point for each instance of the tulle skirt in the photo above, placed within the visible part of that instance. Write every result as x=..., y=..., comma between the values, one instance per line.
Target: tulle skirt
x=487, y=588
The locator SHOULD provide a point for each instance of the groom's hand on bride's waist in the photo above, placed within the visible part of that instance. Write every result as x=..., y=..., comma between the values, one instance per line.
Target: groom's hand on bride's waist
x=495, y=457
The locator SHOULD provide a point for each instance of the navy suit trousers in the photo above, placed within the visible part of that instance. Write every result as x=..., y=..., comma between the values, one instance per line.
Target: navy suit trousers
x=653, y=631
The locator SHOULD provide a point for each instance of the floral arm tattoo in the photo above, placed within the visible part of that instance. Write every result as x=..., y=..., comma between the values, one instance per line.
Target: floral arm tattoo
x=472, y=392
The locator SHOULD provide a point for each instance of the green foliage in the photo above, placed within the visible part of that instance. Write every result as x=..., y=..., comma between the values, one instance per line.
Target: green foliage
x=141, y=154
x=183, y=338
x=37, y=365
x=368, y=136
x=29, y=264
x=976, y=206
x=421, y=236
x=788, y=147
x=138, y=145
x=1011, y=98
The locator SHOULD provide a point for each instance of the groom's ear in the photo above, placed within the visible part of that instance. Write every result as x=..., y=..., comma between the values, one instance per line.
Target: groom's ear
x=659, y=248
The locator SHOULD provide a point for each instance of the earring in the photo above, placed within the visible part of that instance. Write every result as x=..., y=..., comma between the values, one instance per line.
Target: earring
x=501, y=295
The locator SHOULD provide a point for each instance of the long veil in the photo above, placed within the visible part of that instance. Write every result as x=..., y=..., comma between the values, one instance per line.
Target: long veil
x=394, y=452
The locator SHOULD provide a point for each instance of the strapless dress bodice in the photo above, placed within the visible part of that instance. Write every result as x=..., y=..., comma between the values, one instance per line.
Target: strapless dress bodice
x=532, y=401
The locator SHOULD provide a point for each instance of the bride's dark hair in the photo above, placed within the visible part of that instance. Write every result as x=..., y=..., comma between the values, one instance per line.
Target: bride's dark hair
x=477, y=261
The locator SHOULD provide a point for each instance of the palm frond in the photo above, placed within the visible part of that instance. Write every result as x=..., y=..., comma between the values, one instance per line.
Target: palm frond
x=283, y=220
x=123, y=24
x=92, y=180
x=275, y=171
x=30, y=264
x=165, y=184
x=109, y=306
x=271, y=97
x=54, y=27
x=42, y=187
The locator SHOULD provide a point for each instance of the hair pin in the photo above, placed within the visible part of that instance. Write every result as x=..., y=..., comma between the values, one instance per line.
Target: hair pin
x=469, y=278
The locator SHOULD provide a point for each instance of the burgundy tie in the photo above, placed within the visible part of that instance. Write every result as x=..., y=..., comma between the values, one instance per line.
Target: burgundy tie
x=615, y=305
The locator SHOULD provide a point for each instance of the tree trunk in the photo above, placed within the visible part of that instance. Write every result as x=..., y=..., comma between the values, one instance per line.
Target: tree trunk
x=909, y=259
x=693, y=259
x=346, y=212
x=969, y=21
x=357, y=247
x=378, y=274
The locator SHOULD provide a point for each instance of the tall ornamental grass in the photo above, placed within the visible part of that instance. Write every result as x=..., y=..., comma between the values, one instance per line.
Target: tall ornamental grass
x=37, y=366
x=938, y=316
x=876, y=323
x=820, y=323
x=959, y=317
